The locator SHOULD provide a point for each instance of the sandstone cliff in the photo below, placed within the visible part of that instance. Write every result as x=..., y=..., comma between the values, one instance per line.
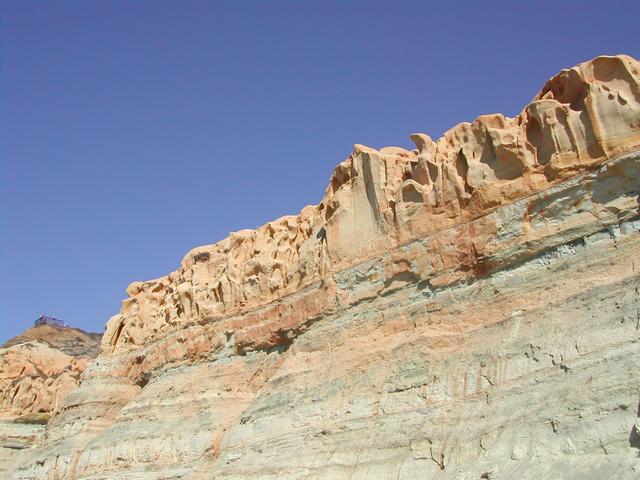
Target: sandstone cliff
x=467, y=309
x=37, y=370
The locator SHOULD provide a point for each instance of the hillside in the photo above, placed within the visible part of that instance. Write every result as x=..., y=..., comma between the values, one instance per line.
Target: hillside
x=72, y=341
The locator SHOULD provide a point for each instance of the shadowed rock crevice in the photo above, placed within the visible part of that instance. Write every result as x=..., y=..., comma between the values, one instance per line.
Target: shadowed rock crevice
x=634, y=435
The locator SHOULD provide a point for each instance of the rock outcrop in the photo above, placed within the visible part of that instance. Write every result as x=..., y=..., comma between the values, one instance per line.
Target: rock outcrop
x=35, y=377
x=467, y=309
x=37, y=370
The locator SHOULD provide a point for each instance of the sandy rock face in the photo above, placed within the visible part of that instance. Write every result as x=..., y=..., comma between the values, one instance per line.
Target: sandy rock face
x=34, y=379
x=467, y=309
x=40, y=366
x=378, y=200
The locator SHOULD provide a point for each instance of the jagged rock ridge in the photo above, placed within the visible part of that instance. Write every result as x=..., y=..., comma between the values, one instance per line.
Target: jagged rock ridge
x=378, y=200
x=432, y=317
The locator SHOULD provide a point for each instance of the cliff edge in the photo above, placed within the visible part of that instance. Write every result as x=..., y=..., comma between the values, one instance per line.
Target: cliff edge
x=466, y=309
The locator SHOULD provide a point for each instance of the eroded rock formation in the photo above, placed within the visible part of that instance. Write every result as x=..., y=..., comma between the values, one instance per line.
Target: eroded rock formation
x=35, y=376
x=467, y=309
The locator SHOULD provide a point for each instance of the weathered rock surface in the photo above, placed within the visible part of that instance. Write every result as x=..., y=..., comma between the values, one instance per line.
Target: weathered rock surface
x=468, y=309
x=17, y=436
x=35, y=377
x=37, y=370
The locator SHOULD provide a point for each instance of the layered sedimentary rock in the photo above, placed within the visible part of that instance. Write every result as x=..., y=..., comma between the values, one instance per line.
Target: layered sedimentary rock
x=34, y=378
x=467, y=309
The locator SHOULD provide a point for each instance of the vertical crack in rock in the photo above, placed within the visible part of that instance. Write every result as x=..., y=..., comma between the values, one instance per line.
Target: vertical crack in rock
x=370, y=187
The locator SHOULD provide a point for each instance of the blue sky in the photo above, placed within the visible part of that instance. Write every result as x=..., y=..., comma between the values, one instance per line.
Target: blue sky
x=133, y=131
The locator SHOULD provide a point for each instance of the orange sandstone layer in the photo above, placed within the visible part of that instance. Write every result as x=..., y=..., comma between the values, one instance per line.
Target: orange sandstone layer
x=380, y=200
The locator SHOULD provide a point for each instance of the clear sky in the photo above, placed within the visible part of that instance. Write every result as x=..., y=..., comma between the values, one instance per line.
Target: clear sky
x=133, y=131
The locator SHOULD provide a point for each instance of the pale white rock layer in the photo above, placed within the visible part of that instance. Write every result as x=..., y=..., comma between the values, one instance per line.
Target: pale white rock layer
x=468, y=309
x=17, y=436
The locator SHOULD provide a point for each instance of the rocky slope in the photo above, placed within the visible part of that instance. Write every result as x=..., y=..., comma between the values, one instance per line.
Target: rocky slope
x=71, y=341
x=468, y=309
x=37, y=370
